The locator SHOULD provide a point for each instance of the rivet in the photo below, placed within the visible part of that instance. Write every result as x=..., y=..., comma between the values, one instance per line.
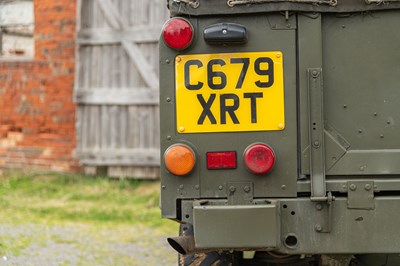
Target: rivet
x=163, y=187
x=232, y=189
x=167, y=61
x=246, y=189
x=181, y=129
x=388, y=122
x=319, y=206
x=344, y=106
x=362, y=168
x=278, y=55
x=367, y=187
x=281, y=126
x=224, y=31
x=169, y=137
x=381, y=136
x=181, y=187
x=168, y=99
x=316, y=143
x=220, y=187
x=353, y=187
x=375, y=114
x=360, y=130
x=318, y=228
x=314, y=73
x=283, y=187
x=197, y=187
x=178, y=59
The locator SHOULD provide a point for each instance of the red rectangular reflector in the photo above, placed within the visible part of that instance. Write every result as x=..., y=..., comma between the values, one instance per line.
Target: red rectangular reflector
x=221, y=160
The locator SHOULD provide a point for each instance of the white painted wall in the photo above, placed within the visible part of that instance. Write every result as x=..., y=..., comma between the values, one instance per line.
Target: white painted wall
x=16, y=19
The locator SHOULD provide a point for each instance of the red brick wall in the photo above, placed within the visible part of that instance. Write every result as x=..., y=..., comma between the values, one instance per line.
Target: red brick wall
x=37, y=113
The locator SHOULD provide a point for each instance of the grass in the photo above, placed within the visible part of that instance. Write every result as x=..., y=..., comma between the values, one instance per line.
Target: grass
x=107, y=211
x=79, y=198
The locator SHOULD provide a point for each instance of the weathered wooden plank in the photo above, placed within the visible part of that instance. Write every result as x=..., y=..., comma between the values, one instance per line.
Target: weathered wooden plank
x=116, y=96
x=146, y=71
x=144, y=68
x=113, y=122
x=117, y=111
x=105, y=127
x=142, y=172
x=120, y=157
x=110, y=36
x=156, y=129
x=111, y=14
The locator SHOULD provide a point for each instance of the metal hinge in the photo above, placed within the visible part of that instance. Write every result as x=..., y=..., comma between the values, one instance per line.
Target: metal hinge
x=324, y=215
x=360, y=195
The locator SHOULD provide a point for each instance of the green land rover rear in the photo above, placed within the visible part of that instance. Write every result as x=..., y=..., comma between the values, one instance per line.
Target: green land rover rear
x=280, y=131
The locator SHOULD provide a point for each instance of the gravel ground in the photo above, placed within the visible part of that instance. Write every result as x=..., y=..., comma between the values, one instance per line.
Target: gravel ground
x=83, y=244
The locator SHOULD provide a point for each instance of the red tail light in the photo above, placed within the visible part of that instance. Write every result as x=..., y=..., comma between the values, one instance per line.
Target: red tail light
x=177, y=33
x=221, y=160
x=259, y=158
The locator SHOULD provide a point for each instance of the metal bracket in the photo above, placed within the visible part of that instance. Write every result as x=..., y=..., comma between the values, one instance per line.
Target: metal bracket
x=316, y=134
x=324, y=215
x=239, y=193
x=360, y=195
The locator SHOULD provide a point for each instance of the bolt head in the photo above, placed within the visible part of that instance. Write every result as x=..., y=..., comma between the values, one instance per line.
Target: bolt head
x=318, y=228
x=353, y=187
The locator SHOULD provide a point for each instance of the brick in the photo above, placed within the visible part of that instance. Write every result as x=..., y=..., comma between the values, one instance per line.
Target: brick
x=37, y=122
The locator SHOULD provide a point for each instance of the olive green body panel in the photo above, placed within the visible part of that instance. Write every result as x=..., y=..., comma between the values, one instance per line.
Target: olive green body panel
x=336, y=180
x=361, y=94
x=275, y=35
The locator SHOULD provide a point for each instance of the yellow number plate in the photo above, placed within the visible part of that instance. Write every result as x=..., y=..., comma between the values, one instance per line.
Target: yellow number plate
x=229, y=92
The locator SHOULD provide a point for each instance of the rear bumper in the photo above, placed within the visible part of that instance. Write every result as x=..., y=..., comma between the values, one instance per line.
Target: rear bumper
x=236, y=227
x=295, y=226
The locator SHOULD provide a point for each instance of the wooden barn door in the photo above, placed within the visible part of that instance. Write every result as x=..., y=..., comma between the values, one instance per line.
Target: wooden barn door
x=117, y=86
